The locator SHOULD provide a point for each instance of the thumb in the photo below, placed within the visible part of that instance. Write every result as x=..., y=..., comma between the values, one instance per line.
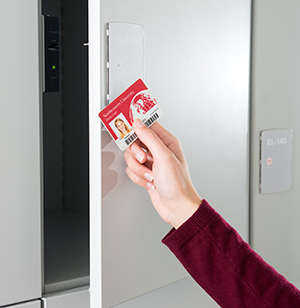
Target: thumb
x=149, y=138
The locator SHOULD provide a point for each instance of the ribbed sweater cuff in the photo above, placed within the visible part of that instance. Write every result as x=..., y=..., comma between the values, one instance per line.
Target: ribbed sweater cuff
x=175, y=239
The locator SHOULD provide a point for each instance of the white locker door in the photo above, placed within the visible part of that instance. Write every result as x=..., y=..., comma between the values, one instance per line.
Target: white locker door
x=20, y=172
x=79, y=298
x=95, y=154
x=275, y=227
x=197, y=56
x=34, y=304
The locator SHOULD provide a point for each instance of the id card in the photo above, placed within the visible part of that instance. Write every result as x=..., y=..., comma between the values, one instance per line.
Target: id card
x=135, y=102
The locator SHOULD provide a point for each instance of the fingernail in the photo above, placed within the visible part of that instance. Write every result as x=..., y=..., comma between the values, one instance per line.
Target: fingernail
x=139, y=123
x=150, y=185
x=148, y=177
x=139, y=157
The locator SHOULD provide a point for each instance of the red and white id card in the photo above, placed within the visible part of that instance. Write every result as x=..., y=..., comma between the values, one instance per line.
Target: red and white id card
x=118, y=116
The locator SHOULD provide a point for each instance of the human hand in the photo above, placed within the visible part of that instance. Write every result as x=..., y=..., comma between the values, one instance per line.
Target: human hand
x=163, y=171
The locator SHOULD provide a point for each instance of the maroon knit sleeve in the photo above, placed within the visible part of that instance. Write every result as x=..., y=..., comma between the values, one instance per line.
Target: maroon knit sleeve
x=225, y=266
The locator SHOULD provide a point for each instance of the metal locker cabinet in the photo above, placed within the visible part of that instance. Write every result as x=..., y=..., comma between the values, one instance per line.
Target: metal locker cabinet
x=24, y=140
x=20, y=156
x=197, y=56
x=275, y=96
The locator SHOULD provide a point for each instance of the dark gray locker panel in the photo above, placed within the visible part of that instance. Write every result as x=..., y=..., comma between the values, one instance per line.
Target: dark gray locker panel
x=65, y=153
x=20, y=155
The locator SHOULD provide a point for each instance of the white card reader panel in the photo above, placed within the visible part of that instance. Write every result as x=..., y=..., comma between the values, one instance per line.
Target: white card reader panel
x=276, y=160
x=125, y=57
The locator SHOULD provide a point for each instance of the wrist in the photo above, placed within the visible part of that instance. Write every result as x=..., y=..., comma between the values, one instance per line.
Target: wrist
x=184, y=212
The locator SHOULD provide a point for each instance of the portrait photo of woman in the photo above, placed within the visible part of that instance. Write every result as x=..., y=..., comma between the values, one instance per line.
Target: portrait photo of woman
x=122, y=127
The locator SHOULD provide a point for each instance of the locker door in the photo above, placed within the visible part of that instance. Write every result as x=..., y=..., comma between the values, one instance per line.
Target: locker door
x=197, y=67
x=275, y=96
x=78, y=298
x=20, y=172
x=34, y=304
x=94, y=154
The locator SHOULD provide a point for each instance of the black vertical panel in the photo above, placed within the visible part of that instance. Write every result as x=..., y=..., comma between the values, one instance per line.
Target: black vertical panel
x=75, y=104
x=65, y=113
x=52, y=129
x=51, y=48
x=65, y=149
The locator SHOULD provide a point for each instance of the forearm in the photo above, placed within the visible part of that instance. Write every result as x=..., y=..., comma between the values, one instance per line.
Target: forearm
x=225, y=266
